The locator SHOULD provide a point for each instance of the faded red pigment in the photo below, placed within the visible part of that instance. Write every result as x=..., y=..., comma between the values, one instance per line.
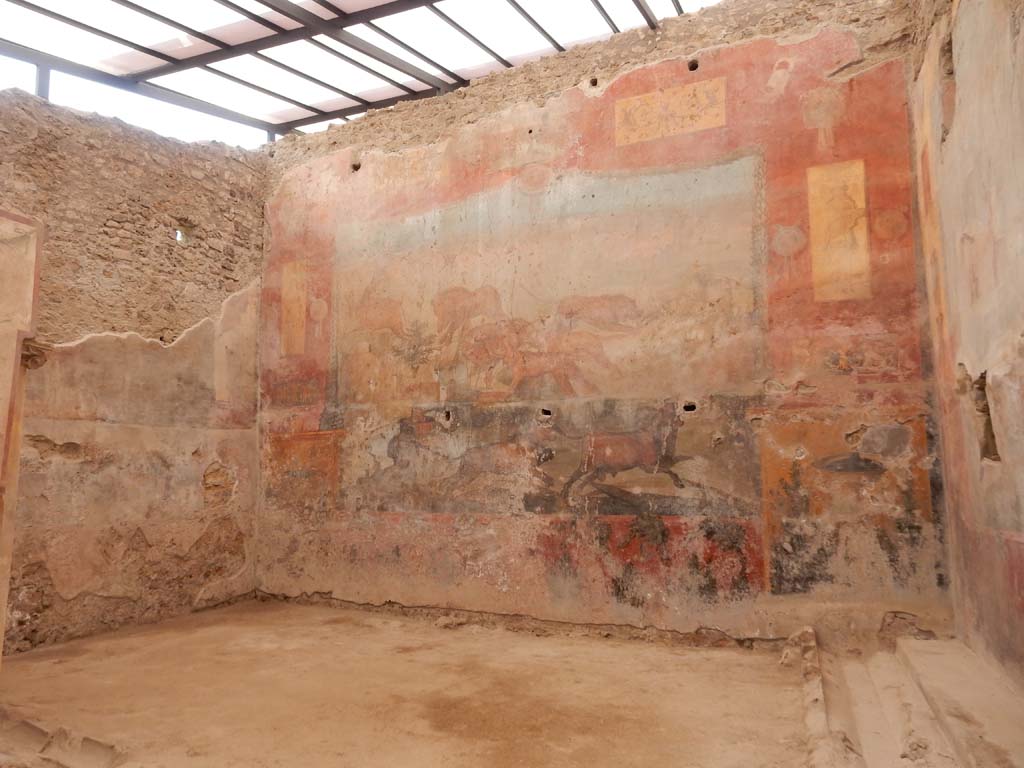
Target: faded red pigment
x=641, y=354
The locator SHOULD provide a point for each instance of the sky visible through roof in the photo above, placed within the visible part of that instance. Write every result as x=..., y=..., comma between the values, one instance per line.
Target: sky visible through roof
x=446, y=52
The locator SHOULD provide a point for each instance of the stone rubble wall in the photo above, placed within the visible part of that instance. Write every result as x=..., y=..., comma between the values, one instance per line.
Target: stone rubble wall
x=111, y=197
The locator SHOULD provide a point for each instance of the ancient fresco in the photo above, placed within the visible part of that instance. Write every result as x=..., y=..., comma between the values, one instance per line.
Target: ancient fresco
x=519, y=296
x=840, y=254
x=641, y=354
x=670, y=111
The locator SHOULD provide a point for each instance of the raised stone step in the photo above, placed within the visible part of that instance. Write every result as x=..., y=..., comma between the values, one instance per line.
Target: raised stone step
x=980, y=711
x=911, y=721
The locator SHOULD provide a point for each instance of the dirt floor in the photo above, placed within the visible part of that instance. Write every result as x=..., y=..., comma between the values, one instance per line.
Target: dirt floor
x=269, y=684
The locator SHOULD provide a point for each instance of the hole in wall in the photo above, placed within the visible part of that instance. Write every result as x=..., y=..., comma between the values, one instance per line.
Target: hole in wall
x=447, y=415
x=689, y=407
x=356, y=166
x=692, y=65
x=184, y=231
x=593, y=82
x=987, y=438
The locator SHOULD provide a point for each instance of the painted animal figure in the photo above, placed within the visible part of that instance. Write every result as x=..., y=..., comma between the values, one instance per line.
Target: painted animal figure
x=559, y=357
x=455, y=308
x=652, y=450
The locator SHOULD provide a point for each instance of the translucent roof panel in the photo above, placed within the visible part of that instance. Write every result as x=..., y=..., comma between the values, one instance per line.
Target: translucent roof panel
x=267, y=13
x=437, y=39
x=306, y=57
x=17, y=74
x=205, y=85
x=316, y=8
x=624, y=14
x=129, y=25
x=207, y=16
x=308, y=79
x=351, y=6
x=662, y=8
x=568, y=21
x=167, y=119
x=385, y=71
x=498, y=26
x=34, y=30
x=375, y=38
x=274, y=78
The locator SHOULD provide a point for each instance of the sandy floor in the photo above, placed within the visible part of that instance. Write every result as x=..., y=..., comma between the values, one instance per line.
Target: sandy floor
x=284, y=685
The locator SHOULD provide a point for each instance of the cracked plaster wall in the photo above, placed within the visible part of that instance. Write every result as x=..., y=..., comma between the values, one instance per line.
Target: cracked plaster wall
x=138, y=458
x=139, y=476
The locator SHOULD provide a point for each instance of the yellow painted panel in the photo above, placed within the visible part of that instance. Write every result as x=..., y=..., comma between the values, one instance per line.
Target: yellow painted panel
x=293, y=308
x=670, y=112
x=840, y=250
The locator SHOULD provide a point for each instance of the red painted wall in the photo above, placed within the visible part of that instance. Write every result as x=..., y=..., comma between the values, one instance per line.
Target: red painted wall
x=649, y=353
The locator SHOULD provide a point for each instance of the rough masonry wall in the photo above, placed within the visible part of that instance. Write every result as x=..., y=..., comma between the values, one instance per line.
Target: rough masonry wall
x=649, y=353
x=111, y=197
x=969, y=120
x=139, y=479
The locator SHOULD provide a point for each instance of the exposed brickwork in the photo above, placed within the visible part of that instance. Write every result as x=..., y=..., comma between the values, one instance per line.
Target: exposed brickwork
x=883, y=28
x=111, y=197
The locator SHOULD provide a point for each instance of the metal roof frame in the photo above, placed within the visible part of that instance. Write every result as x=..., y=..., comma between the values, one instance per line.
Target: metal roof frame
x=310, y=26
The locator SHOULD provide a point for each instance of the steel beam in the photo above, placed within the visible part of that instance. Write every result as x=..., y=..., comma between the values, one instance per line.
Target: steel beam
x=283, y=38
x=536, y=25
x=323, y=27
x=329, y=7
x=91, y=30
x=459, y=79
x=647, y=13
x=678, y=6
x=469, y=36
x=40, y=59
x=43, y=82
x=250, y=15
x=159, y=54
x=267, y=23
x=604, y=15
